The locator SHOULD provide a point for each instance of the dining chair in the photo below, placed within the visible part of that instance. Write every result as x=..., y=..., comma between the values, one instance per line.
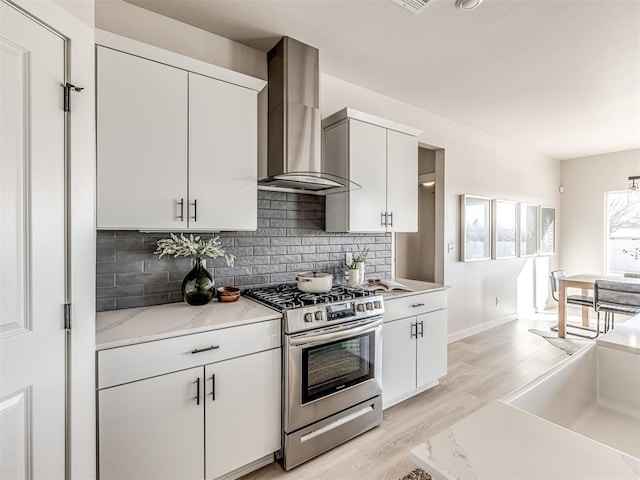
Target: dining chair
x=616, y=296
x=580, y=300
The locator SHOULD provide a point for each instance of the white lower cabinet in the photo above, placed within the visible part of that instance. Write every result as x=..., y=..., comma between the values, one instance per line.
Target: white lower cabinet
x=414, y=345
x=152, y=428
x=198, y=423
x=242, y=417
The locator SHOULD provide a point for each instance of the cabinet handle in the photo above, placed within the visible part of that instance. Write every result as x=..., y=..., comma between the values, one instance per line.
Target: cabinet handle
x=181, y=203
x=198, y=391
x=195, y=210
x=390, y=224
x=414, y=330
x=383, y=219
x=213, y=387
x=421, y=332
x=200, y=350
x=416, y=305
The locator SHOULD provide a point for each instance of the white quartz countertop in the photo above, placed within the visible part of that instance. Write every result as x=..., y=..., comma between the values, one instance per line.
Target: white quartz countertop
x=500, y=441
x=137, y=325
x=416, y=287
x=625, y=336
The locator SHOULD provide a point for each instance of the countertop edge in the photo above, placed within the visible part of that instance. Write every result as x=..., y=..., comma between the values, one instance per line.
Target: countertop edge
x=185, y=332
x=133, y=326
x=418, y=287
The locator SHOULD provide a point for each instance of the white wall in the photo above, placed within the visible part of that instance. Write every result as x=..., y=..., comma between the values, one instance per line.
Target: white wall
x=475, y=162
x=582, y=230
x=143, y=25
x=83, y=10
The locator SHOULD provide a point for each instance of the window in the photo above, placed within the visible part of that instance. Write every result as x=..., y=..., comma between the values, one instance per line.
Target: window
x=623, y=233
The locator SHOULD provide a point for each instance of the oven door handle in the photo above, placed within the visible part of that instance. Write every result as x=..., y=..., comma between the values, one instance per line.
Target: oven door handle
x=327, y=337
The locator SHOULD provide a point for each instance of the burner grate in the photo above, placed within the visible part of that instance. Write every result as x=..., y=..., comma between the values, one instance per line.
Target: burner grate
x=287, y=296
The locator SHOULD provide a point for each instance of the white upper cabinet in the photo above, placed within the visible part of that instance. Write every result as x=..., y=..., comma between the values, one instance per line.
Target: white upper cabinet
x=402, y=182
x=382, y=157
x=141, y=142
x=223, y=145
x=175, y=148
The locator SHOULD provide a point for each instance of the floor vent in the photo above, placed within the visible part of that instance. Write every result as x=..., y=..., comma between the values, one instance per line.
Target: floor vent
x=414, y=6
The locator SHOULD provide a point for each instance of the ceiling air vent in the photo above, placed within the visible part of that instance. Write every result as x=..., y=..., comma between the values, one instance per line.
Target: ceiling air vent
x=414, y=6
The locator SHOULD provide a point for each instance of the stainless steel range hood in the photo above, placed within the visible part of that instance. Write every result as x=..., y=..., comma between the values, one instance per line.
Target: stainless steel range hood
x=294, y=126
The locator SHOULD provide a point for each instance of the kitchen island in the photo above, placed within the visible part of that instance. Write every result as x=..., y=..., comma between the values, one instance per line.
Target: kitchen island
x=581, y=419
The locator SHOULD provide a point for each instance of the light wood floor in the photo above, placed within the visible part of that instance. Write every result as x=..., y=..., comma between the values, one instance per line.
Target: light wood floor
x=481, y=368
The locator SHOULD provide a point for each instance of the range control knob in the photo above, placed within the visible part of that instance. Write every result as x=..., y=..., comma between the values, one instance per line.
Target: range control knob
x=360, y=307
x=308, y=317
x=369, y=306
x=318, y=315
x=377, y=304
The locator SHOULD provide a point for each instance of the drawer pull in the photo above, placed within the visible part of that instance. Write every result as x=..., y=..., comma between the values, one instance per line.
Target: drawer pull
x=416, y=305
x=200, y=350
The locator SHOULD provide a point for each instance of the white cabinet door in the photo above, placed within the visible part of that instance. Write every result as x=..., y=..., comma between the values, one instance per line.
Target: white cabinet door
x=222, y=155
x=398, y=358
x=242, y=411
x=153, y=428
x=402, y=181
x=141, y=142
x=368, y=160
x=431, y=347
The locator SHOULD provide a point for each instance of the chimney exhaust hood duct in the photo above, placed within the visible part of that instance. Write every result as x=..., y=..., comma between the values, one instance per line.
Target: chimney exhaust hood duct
x=294, y=125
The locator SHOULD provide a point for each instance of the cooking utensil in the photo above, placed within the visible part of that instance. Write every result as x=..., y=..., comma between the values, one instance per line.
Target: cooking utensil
x=314, y=282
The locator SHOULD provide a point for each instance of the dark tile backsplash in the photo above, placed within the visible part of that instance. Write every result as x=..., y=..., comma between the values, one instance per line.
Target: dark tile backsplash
x=290, y=238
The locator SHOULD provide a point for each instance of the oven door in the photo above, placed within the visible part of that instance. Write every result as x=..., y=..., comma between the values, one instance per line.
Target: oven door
x=330, y=370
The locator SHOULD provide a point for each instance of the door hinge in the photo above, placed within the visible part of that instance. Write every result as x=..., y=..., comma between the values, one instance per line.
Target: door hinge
x=67, y=316
x=67, y=94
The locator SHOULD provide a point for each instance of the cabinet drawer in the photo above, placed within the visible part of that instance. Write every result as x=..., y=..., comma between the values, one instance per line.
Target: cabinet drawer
x=411, y=305
x=135, y=362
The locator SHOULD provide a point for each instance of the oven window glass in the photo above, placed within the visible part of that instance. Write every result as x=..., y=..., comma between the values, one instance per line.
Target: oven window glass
x=337, y=365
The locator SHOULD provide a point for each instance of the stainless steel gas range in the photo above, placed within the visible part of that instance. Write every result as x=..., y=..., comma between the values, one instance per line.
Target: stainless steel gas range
x=331, y=366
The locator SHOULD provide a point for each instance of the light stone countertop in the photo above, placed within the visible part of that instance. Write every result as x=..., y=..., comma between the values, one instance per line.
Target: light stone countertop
x=130, y=326
x=500, y=441
x=416, y=286
x=625, y=336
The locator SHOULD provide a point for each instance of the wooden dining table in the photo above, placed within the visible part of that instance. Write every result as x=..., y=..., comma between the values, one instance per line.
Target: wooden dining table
x=583, y=281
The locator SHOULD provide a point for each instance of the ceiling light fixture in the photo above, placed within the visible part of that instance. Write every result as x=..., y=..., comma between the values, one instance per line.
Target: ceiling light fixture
x=429, y=184
x=466, y=5
x=634, y=194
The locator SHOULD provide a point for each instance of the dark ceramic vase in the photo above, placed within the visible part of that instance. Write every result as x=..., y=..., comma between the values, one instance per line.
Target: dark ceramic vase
x=198, y=287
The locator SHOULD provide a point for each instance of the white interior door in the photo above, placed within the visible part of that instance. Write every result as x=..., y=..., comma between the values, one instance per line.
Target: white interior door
x=32, y=249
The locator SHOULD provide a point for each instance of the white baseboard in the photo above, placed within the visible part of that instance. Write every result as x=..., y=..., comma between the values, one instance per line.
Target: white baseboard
x=454, y=337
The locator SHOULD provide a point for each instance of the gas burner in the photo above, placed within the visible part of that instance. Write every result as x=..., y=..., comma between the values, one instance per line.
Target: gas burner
x=287, y=296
